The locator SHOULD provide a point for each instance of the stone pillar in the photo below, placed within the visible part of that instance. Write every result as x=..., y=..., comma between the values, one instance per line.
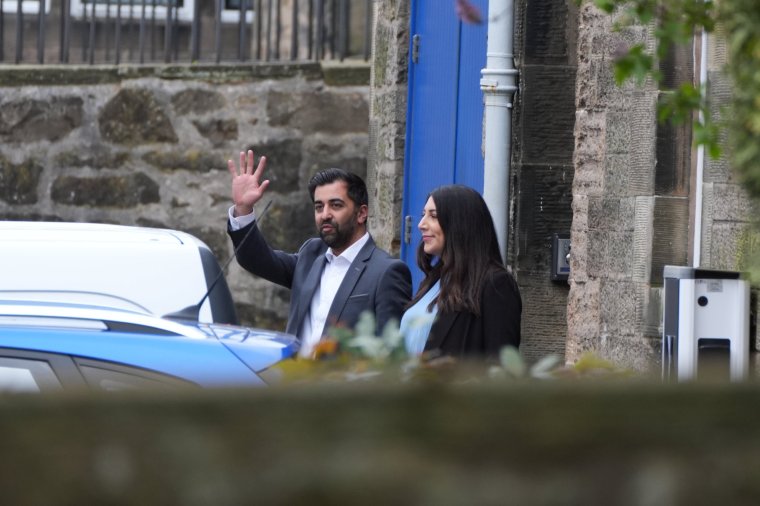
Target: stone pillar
x=615, y=205
x=387, y=121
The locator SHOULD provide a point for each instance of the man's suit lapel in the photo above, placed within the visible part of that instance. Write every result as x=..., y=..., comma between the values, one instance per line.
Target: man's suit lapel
x=346, y=288
x=307, y=291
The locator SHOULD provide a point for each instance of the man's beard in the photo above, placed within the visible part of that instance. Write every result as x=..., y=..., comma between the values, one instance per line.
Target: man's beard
x=339, y=237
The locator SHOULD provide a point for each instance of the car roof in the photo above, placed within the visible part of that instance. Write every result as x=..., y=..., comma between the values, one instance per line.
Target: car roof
x=71, y=315
x=205, y=362
x=143, y=340
x=159, y=270
x=92, y=232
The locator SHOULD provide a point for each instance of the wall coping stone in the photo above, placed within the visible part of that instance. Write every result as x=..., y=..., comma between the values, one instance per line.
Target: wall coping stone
x=351, y=73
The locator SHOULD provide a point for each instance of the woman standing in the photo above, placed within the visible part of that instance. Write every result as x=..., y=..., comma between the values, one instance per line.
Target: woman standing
x=468, y=304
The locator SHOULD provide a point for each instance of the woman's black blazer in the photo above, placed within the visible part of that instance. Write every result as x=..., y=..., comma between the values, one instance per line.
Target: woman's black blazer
x=463, y=334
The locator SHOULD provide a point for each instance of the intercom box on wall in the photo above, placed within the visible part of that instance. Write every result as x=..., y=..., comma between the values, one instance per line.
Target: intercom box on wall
x=560, y=268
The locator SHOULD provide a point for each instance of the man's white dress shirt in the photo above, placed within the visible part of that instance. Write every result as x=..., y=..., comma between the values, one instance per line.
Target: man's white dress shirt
x=335, y=270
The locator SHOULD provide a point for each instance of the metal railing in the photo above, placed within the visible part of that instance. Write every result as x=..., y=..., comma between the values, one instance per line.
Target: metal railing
x=182, y=31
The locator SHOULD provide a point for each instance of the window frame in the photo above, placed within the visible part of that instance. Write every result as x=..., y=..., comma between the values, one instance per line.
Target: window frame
x=62, y=366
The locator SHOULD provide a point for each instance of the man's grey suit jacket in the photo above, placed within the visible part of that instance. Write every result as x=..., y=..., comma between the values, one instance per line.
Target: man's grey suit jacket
x=375, y=281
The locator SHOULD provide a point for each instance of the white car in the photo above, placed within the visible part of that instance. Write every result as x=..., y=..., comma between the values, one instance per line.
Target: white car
x=149, y=270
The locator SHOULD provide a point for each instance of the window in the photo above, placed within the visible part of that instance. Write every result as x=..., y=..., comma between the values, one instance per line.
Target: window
x=133, y=8
x=110, y=377
x=27, y=6
x=20, y=375
x=231, y=11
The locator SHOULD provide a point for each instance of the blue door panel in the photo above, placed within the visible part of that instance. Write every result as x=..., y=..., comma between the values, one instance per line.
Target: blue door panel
x=444, y=112
x=472, y=59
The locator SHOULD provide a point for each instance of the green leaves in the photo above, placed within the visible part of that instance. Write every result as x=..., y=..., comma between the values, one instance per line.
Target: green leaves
x=513, y=366
x=680, y=105
x=676, y=22
x=636, y=64
x=707, y=134
x=607, y=6
x=740, y=20
x=512, y=362
x=388, y=346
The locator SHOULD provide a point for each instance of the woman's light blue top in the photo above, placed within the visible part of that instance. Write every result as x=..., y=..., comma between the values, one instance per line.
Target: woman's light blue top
x=417, y=321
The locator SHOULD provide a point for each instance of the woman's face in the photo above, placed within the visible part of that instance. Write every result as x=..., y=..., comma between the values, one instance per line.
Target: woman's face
x=432, y=234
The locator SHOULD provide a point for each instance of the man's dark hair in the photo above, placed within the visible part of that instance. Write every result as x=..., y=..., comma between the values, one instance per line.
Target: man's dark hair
x=357, y=190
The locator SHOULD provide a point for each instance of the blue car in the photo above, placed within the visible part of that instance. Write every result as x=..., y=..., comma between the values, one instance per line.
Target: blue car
x=46, y=346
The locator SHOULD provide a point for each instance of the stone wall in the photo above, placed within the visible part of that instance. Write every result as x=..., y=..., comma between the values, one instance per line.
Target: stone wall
x=148, y=146
x=636, y=199
x=614, y=203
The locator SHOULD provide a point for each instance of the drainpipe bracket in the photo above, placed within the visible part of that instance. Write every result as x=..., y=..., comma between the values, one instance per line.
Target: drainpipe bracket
x=496, y=87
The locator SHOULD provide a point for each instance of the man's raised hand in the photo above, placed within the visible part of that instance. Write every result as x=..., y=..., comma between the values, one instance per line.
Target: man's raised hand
x=247, y=187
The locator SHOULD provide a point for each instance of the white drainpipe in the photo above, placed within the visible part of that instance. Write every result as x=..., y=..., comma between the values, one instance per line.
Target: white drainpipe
x=498, y=83
x=697, y=252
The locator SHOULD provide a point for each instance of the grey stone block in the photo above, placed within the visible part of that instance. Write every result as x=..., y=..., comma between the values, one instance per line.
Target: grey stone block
x=634, y=352
x=670, y=234
x=544, y=209
x=218, y=131
x=548, y=33
x=618, y=132
x=584, y=322
x=336, y=152
x=290, y=222
x=23, y=121
x=19, y=182
x=544, y=318
x=121, y=192
x=548, y=114
x=197, y=101
x=254, y=316
x=732, y=203
x=284, y=159
x=192, y=160
x=725, y=246
x=135, y=117
x=619, y=254
x=96, y=157
x=619, y=307
x=611, y=214
x=642, y=239
x=326, y=111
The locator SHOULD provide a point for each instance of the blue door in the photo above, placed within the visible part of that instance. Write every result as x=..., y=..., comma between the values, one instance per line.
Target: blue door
x=445, y=110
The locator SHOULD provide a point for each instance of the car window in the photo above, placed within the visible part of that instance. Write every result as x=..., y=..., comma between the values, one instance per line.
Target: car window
x=115, y=377
x=18, y=375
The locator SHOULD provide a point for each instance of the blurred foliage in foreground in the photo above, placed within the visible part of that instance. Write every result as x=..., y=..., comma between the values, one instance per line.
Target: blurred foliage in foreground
x=358, y=355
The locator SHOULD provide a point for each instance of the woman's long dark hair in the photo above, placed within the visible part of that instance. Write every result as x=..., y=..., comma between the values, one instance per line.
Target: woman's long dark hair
x=470, y=250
